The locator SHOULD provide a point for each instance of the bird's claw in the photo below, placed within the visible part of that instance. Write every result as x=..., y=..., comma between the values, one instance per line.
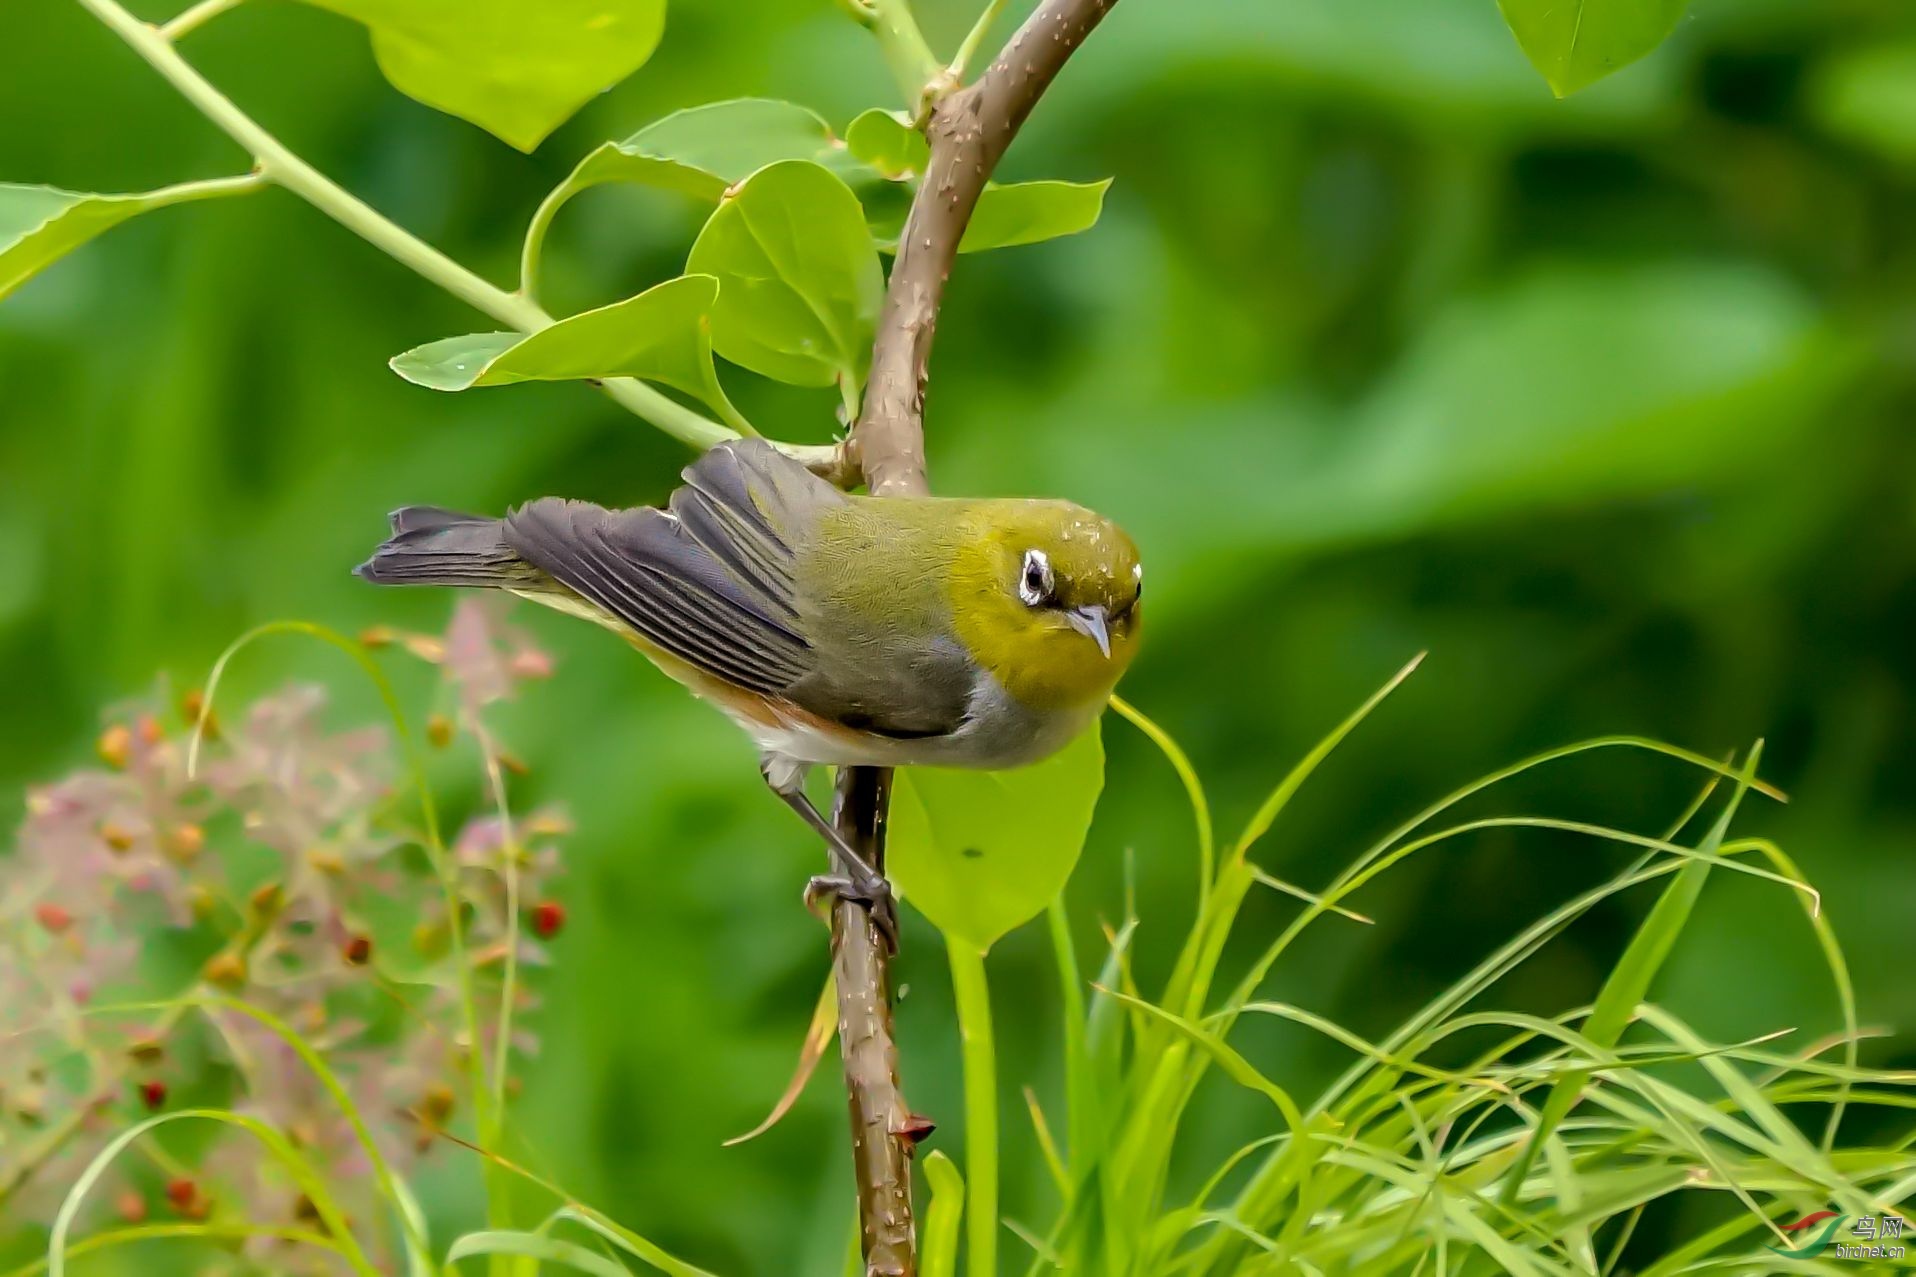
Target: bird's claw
x=874, y=893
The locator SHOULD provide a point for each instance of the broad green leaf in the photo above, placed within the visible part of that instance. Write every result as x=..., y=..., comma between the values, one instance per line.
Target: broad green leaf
x=516, y=70
x=661, y=335
x=1027, y=212
x=799, y=279
x=1868, y=97
x=1575, y=43
x=887, y=141
x=41, y=224
x=706, y=150
x=980, y=853
x=1021, y=213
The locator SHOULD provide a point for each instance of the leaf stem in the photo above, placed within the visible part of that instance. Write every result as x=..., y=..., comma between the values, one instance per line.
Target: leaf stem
x=195, y=18
x=281, y=166
x=859, y=11
x=913, y=65
x=974, y=40
x=973, y=997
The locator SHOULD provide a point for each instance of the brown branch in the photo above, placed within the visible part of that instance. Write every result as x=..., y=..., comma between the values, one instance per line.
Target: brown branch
x=969, y=130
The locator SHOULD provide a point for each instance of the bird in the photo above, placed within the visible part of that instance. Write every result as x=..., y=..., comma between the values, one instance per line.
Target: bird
x=835, y=629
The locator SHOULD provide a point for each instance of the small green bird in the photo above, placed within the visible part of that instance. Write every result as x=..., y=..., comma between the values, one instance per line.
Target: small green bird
x=834, y=629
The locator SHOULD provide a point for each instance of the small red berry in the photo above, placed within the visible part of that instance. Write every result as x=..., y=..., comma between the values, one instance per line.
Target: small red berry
x=52, y=917
x=131, y=1206
x=183, y=1193
x=153, y=1094
x=548, y=918
x=358, y=950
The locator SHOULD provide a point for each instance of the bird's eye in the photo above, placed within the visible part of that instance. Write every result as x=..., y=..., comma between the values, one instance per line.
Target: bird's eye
x=1035, y=582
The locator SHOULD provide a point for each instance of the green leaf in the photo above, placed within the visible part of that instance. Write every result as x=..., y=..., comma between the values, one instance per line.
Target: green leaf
x=704, y=150
x=1021, y=213
x=1027, y=212
x=980, y=853
x=799, y=279
x=41, y=224
x=887, y=141
x=516, y=70
x=661, y=335
x=1575, y=43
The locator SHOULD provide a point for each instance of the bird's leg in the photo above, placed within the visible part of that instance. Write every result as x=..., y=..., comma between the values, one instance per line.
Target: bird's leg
x=859, y=880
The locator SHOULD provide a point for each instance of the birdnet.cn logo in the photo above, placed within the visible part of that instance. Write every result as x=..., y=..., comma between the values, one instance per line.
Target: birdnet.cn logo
x=1836, y=1236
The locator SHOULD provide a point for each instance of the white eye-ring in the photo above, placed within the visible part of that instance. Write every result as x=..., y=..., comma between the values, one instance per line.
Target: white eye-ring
x=1035, y=582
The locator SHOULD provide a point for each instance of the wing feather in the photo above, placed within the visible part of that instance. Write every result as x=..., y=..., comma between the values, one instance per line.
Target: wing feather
x=710, y=580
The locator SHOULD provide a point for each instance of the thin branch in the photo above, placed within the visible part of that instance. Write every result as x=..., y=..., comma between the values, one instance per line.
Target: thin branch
x=284, y=168
x=884, y=1131
x=196, y=17
x=969, y=130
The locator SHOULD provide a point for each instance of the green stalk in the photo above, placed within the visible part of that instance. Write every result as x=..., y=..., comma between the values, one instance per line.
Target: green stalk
x=973, y=41
x=196, y=17
x=973, y=996
x=914, y=66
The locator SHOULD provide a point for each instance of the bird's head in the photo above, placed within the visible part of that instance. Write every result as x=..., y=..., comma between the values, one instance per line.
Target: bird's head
x=1045, y=596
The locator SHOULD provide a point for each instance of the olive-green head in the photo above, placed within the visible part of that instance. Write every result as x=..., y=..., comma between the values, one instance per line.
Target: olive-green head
x=1045, y=595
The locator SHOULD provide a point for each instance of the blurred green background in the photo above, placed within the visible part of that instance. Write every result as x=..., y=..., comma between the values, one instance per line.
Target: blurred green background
x=1377, y=349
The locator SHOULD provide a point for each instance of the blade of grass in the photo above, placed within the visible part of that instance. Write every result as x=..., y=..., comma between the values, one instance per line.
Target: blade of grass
x=309, y=1181
x=210, y=1231
x=495, y=1242
x=1193, y=789
x=1628, y=984
x=938, y=1251
x=972, y=994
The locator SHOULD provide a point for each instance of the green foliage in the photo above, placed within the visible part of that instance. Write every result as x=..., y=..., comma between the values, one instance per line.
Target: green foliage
x=799, y=279
x=702, y=150
x=1575, y=43
x=980, y=853
x=662, y=335
x=1601, y=398
x=482, y=61
x=1031, y=212
x=41, y=224
x=1021, y=213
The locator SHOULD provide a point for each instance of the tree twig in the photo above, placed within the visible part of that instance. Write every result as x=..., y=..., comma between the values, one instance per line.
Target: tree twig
x=969, y=130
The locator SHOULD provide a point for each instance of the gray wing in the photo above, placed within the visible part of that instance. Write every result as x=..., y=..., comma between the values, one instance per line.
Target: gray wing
x=708, y=579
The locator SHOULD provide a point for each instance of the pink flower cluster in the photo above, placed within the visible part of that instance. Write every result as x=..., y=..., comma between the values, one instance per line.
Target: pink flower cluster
x=290, y=870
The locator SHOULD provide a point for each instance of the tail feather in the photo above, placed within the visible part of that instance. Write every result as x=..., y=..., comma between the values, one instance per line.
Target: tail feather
x=431, y=546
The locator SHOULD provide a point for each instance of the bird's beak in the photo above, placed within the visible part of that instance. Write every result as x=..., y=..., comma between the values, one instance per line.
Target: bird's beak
x=1090, y=622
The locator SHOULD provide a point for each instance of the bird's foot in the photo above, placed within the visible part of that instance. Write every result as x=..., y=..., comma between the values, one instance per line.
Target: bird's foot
x=873, y=892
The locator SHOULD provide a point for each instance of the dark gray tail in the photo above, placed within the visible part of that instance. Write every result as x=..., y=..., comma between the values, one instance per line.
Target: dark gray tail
x=430, y=546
